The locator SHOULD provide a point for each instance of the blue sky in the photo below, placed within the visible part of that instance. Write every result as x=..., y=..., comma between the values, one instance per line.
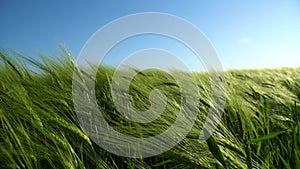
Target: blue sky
x=245, y=34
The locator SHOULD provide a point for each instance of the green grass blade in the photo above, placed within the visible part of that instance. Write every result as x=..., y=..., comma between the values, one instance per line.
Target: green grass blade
x=214, y=149
x=266, y=137
x=286, y=165
x=162, y=163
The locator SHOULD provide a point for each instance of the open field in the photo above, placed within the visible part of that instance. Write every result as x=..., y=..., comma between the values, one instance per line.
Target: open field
x=260, y=127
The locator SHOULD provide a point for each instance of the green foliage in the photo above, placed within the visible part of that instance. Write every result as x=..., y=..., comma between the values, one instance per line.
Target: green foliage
x=260, y=127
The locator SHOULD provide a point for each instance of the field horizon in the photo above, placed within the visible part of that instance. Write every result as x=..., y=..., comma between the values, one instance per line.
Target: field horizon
x=260, y=126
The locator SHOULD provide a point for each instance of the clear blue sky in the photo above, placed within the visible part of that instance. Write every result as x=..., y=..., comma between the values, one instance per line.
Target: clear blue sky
x=246, y=34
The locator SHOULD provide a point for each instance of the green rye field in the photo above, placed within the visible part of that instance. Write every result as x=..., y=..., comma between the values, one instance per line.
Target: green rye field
x=260, y=127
